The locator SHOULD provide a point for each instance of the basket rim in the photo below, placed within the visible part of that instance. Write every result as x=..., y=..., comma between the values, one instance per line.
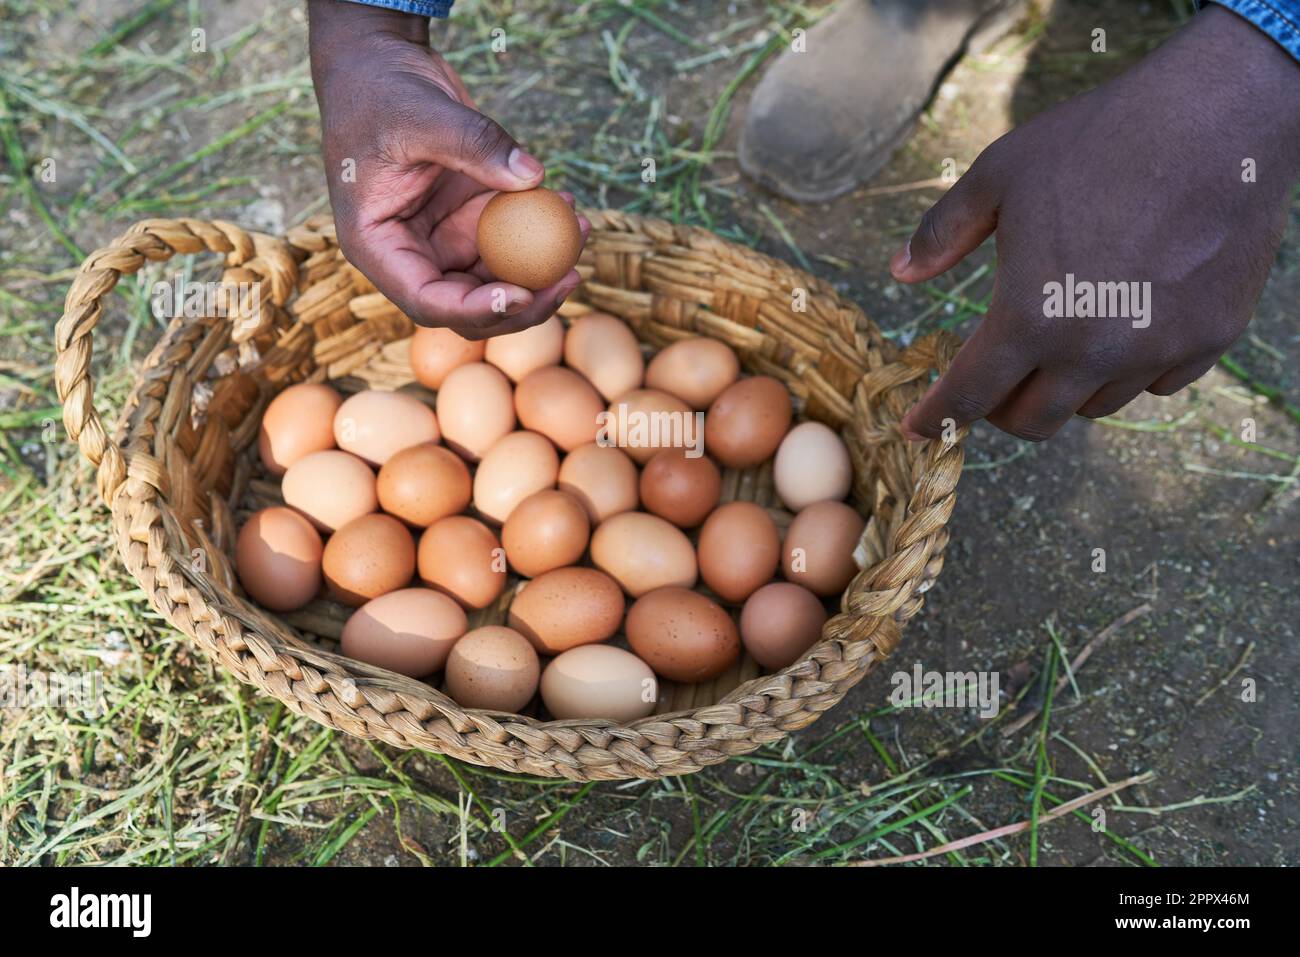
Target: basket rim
x=370, y=702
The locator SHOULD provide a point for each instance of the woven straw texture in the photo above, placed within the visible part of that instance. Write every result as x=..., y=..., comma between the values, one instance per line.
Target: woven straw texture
x=181, y=471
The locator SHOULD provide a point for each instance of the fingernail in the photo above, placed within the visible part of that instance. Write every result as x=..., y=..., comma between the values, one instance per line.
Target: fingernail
x=523, y=165
x=910, y=433
x=902, y=259
x=563, y=292
x=517, y=305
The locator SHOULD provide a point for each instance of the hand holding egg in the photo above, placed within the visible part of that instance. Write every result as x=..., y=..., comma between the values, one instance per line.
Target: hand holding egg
x=424, y=164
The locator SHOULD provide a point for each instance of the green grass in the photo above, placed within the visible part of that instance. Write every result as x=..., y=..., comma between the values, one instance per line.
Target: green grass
x=179, y=763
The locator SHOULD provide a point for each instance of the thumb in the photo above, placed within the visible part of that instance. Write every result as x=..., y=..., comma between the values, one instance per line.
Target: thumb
x=462, y=139
x=950, y=229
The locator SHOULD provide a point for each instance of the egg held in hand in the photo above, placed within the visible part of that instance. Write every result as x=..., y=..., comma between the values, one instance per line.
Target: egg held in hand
x=530, y=238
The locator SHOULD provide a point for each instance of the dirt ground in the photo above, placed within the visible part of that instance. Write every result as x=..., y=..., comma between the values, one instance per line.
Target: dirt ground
x=1199, y=689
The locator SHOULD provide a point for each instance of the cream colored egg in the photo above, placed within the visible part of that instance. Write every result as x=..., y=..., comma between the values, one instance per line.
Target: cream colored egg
x=643, y=552
x=602, y=478
x=375, y=425
x=475, y=409
x=518, y=465
x=812, y=465
x=520, y=353
x=605, y=350
x=410, y=631
x=696, y=370
x=330, y=488
x=599, y=681
x=435, y=352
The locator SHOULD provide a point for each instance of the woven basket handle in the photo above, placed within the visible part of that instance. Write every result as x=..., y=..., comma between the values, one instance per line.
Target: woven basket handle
x=153, y=240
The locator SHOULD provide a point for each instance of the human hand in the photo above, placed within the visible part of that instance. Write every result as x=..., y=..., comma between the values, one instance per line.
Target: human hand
x=1142, y=183
x=423, y=162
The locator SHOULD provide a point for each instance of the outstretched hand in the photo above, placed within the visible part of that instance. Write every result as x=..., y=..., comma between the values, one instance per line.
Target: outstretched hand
x=411, y=163
x=1160, y=196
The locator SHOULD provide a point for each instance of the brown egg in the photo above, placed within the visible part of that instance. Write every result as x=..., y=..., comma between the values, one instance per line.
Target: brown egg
x=375, y=425
x=696, y=370
x=520, y=353
x=475, y=408
x=739, y=550
x=599, y=681
x=299, y=421
x=602, y=478
x=493, y=668
x=514, y=468
x=278, y=557
x=460, y=556
x=422, y=484
x=606, y=351
x=682, y=489
x=643, y=552
x=746, y=424
x=644, y=421
x=435, y=352
x=812, y=465
x=567, y=607
x=330, y=488
x=549, y=529
x=368, y=557
x=779, y=623
x=818, y=549
x=682, y=635
x=409, y=631
x=529, y=238
x=561, y=405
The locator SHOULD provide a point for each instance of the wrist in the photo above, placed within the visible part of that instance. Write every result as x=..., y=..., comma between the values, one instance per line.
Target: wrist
x=335, y=27
x=1255, y=77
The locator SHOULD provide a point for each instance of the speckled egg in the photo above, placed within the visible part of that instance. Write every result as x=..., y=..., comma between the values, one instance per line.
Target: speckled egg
x=530, y=238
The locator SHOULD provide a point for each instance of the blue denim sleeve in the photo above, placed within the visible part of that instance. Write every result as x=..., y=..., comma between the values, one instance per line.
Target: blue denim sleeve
x=1280, y=19
x=423, y=8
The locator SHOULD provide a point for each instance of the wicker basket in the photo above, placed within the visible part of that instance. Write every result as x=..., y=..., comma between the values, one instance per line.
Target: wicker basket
x=182, y=470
